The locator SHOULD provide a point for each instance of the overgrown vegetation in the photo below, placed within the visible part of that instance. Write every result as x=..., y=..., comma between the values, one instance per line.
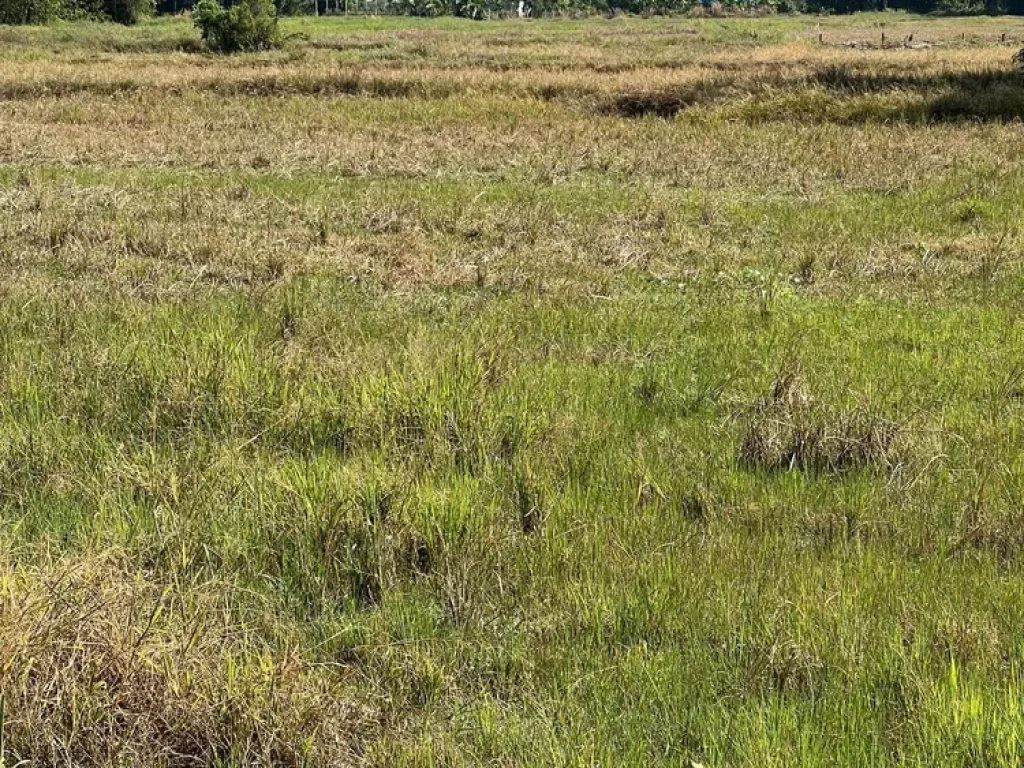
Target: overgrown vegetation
x=129, y=11
x=27, y=11
x=636, y=392
x=44, y=11
x=250, y=25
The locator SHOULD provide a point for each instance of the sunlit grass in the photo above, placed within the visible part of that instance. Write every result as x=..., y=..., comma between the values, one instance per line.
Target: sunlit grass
x=574, y=392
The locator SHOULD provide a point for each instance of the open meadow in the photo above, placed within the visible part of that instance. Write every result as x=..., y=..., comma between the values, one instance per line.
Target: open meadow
x=608, y=392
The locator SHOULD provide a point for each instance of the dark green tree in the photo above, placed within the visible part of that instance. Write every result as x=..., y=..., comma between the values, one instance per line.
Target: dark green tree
x=28, y=11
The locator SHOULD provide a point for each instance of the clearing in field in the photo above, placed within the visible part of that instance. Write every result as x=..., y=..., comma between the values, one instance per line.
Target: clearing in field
x=552, y=393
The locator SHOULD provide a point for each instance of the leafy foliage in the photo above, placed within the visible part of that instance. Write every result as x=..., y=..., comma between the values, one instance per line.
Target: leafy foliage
x=250, y=25
x=128, y=11
x=45, y=11
x=27, y=11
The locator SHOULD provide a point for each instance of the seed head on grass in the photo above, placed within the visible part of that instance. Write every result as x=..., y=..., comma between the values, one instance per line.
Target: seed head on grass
x=528, y=503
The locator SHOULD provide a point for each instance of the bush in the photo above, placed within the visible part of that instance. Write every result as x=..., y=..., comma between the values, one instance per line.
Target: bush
x=128, y=11
x=27, y=11
x=251, y=25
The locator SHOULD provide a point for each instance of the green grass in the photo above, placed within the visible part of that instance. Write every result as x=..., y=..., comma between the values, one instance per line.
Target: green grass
x=473, y=422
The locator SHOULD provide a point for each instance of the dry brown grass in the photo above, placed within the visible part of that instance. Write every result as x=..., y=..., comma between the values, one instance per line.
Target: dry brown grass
x=102, y=665
x=787, y=430
x=522, y=108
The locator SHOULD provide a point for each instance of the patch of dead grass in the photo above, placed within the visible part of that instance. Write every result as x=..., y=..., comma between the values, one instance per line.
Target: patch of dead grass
x=102, y=666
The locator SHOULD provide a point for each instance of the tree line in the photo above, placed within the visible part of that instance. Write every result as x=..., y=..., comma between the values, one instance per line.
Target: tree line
x=130, y=11
x=45, y=11
x=498, y=8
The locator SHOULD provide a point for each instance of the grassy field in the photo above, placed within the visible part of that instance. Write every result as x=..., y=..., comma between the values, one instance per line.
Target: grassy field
x=558, y=393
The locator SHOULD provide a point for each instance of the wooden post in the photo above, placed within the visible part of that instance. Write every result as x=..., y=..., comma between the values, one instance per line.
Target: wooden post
x=1002, y=39
x=819, y=38
x=883, y=39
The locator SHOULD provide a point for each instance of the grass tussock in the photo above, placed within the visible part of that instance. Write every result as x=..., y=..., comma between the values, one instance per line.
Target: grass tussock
x=787, y=430
x=105, y=666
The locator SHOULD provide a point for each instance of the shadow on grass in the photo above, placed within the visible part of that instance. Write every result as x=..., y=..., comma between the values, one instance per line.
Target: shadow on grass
x=986, y=95
x=843, y=95
x=835, y=94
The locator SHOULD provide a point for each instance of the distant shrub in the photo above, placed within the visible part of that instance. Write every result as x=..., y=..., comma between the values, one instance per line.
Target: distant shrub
x=28, y=11
x=251, y=25
x=702, y=10
x=958, y=7
x=128, y=11
x=469, y=9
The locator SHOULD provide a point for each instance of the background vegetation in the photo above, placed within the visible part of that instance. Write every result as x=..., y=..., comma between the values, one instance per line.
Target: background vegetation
x=46, y=11
x=435, y=392
x=248, y=26
x=129, y=11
